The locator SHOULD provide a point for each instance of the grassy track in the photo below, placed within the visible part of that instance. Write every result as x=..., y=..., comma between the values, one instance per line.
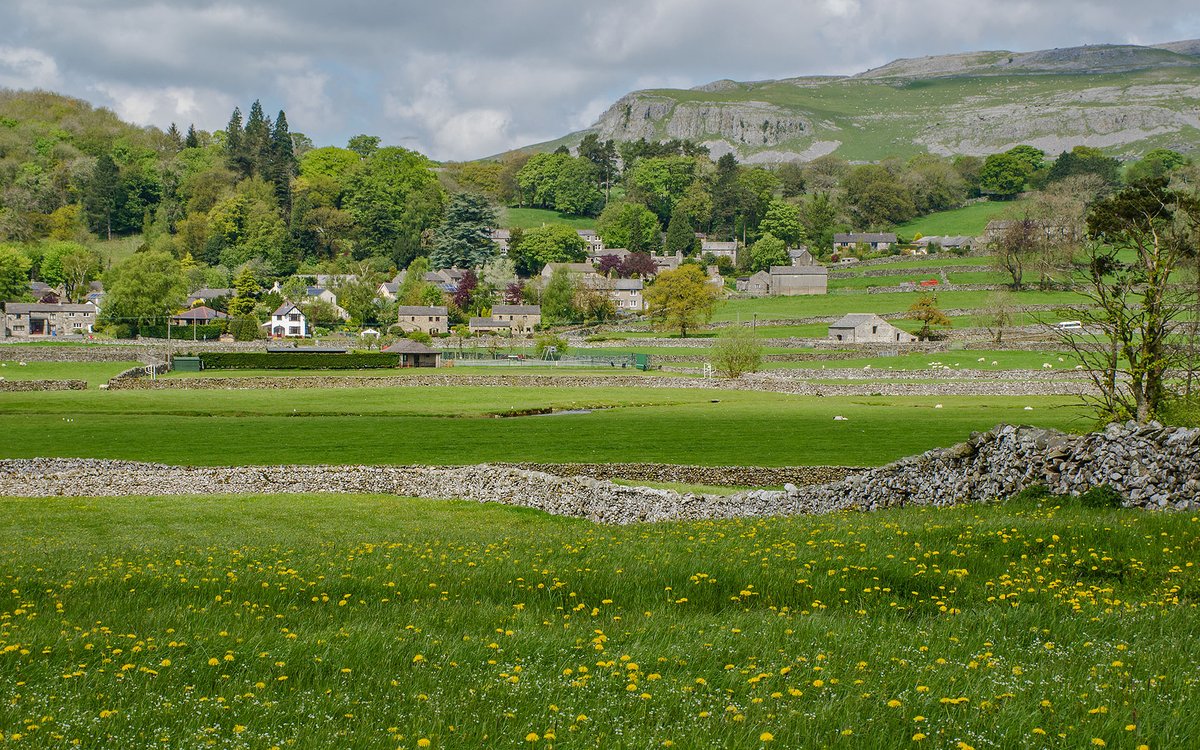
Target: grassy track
x=380, y=622
x=454, y=425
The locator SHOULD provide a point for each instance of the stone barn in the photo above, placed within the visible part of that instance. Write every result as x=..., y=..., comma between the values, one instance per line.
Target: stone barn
x=867, y=328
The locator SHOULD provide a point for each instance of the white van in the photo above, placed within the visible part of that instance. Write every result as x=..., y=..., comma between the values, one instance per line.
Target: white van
x=1069, y=325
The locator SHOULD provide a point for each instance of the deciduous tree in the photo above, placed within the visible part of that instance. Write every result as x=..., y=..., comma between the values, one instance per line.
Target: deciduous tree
x=681, y=299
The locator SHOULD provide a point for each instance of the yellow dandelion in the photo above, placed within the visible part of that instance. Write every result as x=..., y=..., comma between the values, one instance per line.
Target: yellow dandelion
x=423, y=742
x=766, y=737
x=532, y=737
x=918, y=736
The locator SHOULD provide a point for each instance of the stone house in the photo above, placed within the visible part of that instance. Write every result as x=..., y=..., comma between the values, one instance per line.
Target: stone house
x=867, y=328
x=201, y=315
x=46, y=319
x=500, y=238
x=758, y=285
x=287, y=321
x=205, y=295
x=431, y=320
x=415, y=354
x=668, y=262
x=595, y=244
x=387, y=290
x=626, y=295
x=489, y=325
x=876, y=241
x=719, y=249
x=522, y=317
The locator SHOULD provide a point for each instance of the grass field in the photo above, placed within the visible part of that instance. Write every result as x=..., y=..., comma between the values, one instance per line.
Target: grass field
x=783, y=308
x=380, y=622
x=969, y=220
x=94, y=373
x=964, y=359
x=528, y=218
x=455, y=425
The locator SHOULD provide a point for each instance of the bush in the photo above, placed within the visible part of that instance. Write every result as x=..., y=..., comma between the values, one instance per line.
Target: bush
x=419, y=336
x=245, y=329
x=297, y=361
x=1103, y=496
x=737, y=352
x=200, y=332
x=1033, y=492
x=544, y=342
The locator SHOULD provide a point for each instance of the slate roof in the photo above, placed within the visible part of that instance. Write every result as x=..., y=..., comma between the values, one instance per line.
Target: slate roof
x=200, y=314
x=799, y=271
x=489, y=323
x=408, y=346
x=854, y=320
x=865, y=237
x=24, y=308
x=421, y=310
x=286, y=308
x=516, y=310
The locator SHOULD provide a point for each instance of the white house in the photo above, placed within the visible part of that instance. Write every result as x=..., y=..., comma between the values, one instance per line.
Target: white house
x=287, y=322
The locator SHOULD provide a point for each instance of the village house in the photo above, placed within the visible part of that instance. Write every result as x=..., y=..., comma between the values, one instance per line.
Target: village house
x=523, y=318
x=48, y=319
x=446, y=279
x=950, y=242
x=415, y=354
x=875, y=241
x=668, y=262
x=595, y=244
x=582, y=272
x=501, y=238
x=287, y=321
x=489, y=325
x=205, y=295
x=867, y=328
x=626, y=295
x=201, y=315
x=431, y=320
x=387, y=290
x=719, y=249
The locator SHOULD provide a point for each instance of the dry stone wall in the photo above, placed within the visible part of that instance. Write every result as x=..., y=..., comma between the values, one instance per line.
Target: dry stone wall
x=1150, y=466
x=26, y=386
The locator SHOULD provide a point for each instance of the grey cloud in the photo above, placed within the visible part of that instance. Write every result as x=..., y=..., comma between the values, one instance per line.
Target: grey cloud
x=467, y=78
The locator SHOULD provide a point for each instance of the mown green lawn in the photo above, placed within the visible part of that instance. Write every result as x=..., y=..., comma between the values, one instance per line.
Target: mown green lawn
x=381, y=622
x=94, y=373
x=456, y=425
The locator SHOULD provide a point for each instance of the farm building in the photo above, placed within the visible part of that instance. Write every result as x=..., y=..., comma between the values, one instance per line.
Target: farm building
x=867, y=328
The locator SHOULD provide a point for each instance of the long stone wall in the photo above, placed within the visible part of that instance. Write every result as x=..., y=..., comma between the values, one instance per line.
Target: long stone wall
x=1150, y=466
x=762, y=382
x=26, y=386
x=735, y=476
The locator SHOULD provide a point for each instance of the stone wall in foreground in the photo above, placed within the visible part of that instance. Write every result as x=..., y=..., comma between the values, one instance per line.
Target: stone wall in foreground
x=735, y=476
x=1151, y=466
x=25, y=386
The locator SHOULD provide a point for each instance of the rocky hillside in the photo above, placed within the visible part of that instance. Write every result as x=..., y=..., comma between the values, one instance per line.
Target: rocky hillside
x=1125, y=99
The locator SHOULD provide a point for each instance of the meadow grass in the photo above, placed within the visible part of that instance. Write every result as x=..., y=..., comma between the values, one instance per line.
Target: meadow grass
x=382, y=622
x=456, y=425
x=529, y=218
x=961, y=359
x=829, y=305
x=969, y=220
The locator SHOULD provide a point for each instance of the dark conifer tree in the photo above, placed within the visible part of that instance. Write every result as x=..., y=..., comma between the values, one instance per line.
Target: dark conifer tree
x=191, y=140
x=176, y=137
x=257, y=142
x=235, y=153
x=282, y=162
x=102, y=195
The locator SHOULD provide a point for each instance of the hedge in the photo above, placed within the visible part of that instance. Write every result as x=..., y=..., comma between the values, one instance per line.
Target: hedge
x=296, y=361
x=204, y=332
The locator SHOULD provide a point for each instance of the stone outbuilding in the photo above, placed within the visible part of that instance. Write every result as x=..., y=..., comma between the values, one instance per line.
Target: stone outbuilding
x=867, y=328
x=415, y=354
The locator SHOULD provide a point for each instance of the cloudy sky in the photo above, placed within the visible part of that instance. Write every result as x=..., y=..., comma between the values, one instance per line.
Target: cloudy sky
x=466, y=78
